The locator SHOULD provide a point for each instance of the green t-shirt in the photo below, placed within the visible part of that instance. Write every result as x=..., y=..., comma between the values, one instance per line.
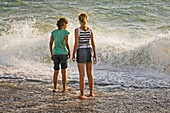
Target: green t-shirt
x=59, y=42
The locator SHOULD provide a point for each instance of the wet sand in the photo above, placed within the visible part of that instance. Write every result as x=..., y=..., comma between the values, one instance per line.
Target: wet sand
x=18, y=96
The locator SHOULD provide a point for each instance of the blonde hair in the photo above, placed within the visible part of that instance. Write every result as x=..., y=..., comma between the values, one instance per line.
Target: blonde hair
x=83, y=17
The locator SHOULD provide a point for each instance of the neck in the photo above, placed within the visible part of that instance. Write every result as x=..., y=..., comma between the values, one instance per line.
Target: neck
x=84, y=27
x=62, y=28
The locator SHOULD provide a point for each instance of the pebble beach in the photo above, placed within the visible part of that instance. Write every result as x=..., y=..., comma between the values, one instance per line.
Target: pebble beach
x=24, y=96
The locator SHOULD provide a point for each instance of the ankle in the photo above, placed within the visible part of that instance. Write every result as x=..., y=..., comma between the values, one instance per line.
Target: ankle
x=92, y=94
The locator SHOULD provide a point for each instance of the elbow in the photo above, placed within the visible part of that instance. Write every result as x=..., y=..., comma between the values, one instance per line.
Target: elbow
x=93, y=44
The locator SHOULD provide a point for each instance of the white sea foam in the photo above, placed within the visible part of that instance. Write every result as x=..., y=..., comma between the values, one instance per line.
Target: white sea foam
x=132, y=41
x=25, y=55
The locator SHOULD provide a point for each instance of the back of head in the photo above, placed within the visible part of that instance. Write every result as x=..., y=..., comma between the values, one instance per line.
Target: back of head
x=61, y=22
x=83, y=17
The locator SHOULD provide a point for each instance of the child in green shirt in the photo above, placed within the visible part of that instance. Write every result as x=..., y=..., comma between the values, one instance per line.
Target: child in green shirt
x=60, y=53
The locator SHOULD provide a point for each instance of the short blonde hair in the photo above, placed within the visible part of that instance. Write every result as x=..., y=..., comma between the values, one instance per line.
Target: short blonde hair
x=82, y=17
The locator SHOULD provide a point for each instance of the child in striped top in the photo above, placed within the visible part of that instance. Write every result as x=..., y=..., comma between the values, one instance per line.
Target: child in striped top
x=83, y=47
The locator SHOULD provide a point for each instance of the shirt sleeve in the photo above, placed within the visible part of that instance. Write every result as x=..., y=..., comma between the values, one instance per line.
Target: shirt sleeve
x=67, y=32
x=52, y=33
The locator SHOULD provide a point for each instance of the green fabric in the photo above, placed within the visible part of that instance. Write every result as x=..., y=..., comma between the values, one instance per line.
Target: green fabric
x=59, y=42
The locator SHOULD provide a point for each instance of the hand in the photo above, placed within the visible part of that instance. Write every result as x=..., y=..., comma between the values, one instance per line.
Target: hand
x=73, y=58
x=51, y=57
x=68, y=55
x=94, y=59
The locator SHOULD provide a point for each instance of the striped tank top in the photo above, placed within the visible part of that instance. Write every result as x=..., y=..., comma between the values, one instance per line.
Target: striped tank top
x=84, y=38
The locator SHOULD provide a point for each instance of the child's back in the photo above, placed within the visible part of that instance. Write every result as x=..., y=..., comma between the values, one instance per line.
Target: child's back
x=60, y=52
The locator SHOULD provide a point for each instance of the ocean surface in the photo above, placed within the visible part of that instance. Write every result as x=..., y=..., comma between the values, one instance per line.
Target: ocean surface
x=132, y=39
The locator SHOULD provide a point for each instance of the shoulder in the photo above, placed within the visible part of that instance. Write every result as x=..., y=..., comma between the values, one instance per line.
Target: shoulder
x=76, y=30
x=67, y=32
x=91, y=30
x=54, y=31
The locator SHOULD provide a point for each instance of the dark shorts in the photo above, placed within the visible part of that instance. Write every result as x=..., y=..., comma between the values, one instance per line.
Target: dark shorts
x=84, y=55
x=60, y=59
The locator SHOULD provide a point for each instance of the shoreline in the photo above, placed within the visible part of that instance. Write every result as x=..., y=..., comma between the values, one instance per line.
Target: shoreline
x=27, y=96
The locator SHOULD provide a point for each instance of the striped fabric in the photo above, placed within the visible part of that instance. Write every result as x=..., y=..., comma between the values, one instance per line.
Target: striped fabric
x=84, y=37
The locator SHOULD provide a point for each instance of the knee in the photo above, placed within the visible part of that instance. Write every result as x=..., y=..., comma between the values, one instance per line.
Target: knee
x=89, y=74
x=82, y=74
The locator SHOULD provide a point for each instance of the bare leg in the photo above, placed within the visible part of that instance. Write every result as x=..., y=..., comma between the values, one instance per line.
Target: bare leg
x=90, y=77
x=55, y=80
x=81, y=68
x=63, y=71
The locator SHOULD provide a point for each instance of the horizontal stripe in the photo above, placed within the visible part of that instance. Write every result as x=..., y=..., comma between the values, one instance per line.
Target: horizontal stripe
x=84, y=37
x=85, y=32
x=84, y=42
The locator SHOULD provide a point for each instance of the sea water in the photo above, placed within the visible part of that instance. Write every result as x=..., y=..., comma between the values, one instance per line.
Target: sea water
x=132, y=39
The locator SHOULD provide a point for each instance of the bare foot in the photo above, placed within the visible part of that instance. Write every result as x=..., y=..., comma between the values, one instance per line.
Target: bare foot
x=55, y=90
x=63, y=91
x=81, y=97
x=91, y=95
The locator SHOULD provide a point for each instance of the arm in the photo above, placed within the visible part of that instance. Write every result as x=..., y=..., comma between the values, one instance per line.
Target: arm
x=93, y=46
x=51, y=45
x=67, y=46
x=75, y=44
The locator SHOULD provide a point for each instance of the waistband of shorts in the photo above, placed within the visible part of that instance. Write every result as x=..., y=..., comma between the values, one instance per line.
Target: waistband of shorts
x=84, y=46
